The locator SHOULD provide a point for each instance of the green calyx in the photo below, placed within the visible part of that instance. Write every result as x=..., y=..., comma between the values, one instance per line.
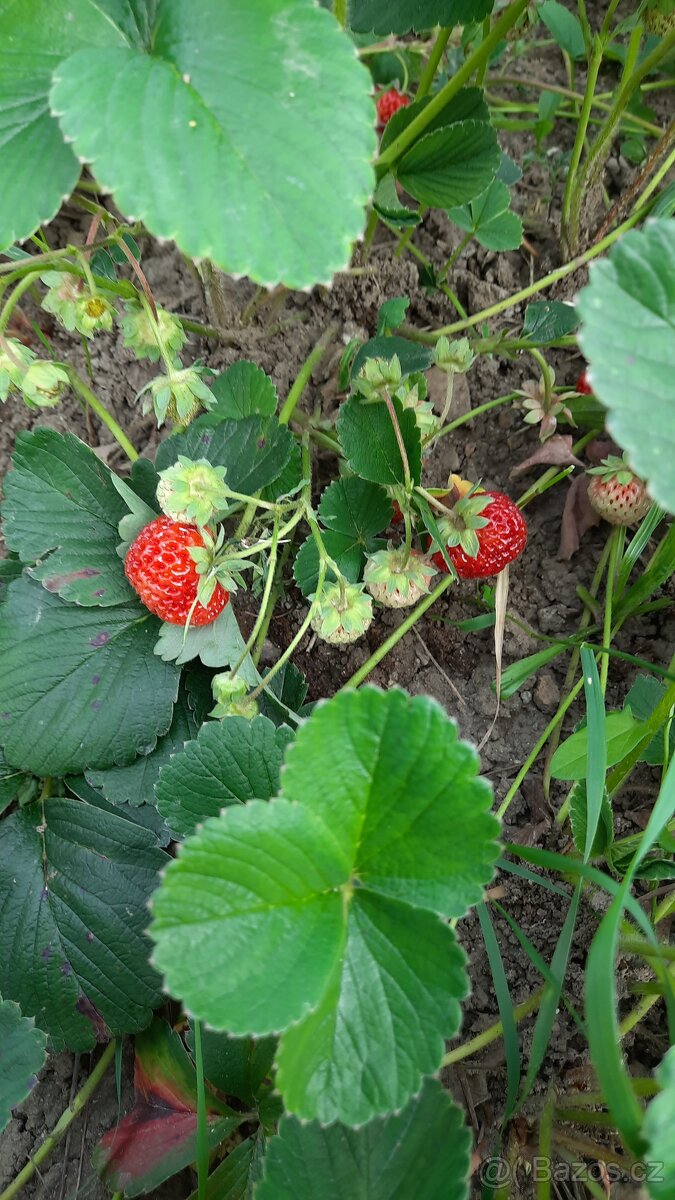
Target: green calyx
x=216, y=564
x=146, y=337
x=62, y=298
x=13, y=363
x=413, y=394
x=377, y=377
x=231, y=697
x=343, y=614
x=180, y=395
x=463, y=520
x=193, y=492
x=616, y=468
x=394, y=581
x=453, y=357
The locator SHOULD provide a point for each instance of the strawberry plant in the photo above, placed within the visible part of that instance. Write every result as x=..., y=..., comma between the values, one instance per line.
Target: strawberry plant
x=229, y=839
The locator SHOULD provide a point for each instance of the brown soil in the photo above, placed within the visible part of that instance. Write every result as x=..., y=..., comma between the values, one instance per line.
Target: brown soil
x=438, y=660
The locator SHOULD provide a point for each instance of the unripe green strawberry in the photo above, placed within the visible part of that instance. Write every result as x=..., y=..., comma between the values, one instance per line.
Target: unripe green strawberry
x=143, y=336
x=93, y=314
x=13, y=364
x=231, y=697
x=395, y=583
x=43, y=384
x=659, y=17
x=343, y=615
x=617, y=494
x=192, y=492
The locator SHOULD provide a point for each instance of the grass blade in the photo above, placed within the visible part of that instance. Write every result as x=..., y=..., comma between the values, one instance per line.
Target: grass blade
x=505, y=1005
x=596, y=759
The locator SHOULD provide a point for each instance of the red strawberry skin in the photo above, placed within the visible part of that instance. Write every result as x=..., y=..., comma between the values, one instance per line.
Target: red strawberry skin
x=583, y=384
x=388, y=103
x=159, y=567
x=500, y=542
x=619, y=503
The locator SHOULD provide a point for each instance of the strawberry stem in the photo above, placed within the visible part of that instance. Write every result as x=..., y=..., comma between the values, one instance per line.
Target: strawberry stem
x=616, y=543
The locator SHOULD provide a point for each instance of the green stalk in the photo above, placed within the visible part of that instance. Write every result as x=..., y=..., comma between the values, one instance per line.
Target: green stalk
x=62, y=1125
x=482, y=70
x=542, y=482
x=21, y=287
x=616, y=542
x=394, y=638
x=78, y=384
x=304, y=374
x=468, y=237
x=290, y=649
x=432, y=62
x=582, y=127
x=540, y=285
x=556, y=720
x=472, y=64
x=262, y=611
x=492, y=1034
x=202, y=1127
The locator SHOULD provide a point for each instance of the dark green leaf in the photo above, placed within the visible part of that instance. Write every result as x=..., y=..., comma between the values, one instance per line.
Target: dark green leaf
x=564, y=27
x=298, y=96
x=422, y=1151
x=452, y=165
x=468, y=104
x=10, y=569
x=642, y=699
x=23, y=1050
x=74, y=887
x=392, y=314
x=62, y=509
x=12, y=783
x=411, y=355
x=254, y=450
x=352, y=510
x=400, y=16
x=235, y=1066
x=548, y=320
x=489, y=219
x=604, y=834
x=388, y=206
x=135, y=784
x=243, y=390
x=342, y=878
x=229, y=762
x=628, y=313
x=79, y=687
x=368, y=439
x=143, y=815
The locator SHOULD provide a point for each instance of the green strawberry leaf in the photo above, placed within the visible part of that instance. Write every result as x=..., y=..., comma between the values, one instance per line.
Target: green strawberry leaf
x=564, y=27
x=622, y=732
x=642, y=699
x=143, y=815
x=423, y=1151
x=74, y=886
x=10, y=569
x=369, y=442
x=299, y=96
x=411, y=355
x=218, y=644
x=632, y=355
x=352, y=511
x=235, y=1066
x=388, y=206
x=346, y=876
x=253, y=450
x=243, y=390
x=488, y=218
x=229, y=762
x=12, y=783
x=158, y=1138
x=234, y=1177
x=79, y=687
x=468, y=104
x=135, y=784
x=548, y=320
x=62, y=509
x=451, y=165
x=400, y=16
x=23, y=1050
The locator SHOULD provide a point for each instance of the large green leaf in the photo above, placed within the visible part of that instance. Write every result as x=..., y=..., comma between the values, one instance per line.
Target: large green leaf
x=452, y=165
x=467, y=104
x=564, y=26
x=658, y=1130
x=352, y=511
x=135, y=784
x=319, y=912
x=628, y=315
x=74, y=887
x=23, y=1050
x=368, y=438
x=79, y=687
x=62, y=509
x=253, y=450
x=39, y=170
x=422, y=1151
x=229, y=762
x=264, y=106
x=622, y=733
x=400, y=16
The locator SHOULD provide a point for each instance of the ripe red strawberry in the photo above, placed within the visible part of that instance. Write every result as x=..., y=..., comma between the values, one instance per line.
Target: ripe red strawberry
x=389, y=102
x=616, y=493
x=485, y=532
x=583, y=385
x=161, y=569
